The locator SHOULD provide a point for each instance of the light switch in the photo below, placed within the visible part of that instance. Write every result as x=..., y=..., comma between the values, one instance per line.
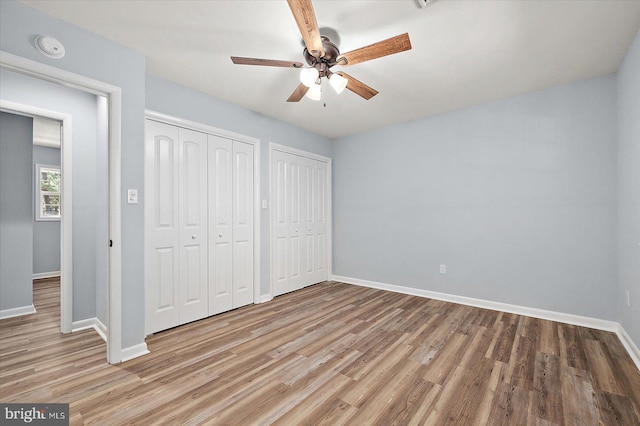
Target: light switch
x=264, y=204
x=132, y=196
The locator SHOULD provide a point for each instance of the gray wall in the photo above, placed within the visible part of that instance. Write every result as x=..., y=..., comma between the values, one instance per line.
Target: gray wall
x=82, y=107
x=104, y=60
x=46, y=234
x=629, y=190
x=173, y=99
x=16, y=211
x=516, y=197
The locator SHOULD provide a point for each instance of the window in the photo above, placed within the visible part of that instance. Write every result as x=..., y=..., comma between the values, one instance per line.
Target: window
x=47, y=192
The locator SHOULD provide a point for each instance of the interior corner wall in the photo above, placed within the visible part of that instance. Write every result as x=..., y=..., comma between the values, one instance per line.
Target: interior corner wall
x=101, y=59
x=16, y=207
x=516, y=197
x=628, y=97
x=46, y=233
x=179, y=101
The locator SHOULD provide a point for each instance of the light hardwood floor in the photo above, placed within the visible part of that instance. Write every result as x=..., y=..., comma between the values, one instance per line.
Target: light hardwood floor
x=329, y=354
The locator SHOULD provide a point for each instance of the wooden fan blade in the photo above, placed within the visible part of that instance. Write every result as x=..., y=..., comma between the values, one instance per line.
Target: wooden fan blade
x=266, y=62
x=306, y=19
x=358, y=87
x=297, y=94
x=386, y=47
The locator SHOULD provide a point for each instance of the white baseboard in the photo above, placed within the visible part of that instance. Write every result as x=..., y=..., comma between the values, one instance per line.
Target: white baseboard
x=94, y=323
x=41, y=275
x=265, y=298
x=596, y=323
x=629, y=345
x=134, y=351
x=589, y=322
x=16, y=312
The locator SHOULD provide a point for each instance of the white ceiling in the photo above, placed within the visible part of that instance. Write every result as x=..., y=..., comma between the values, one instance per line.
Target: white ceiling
x=464, y=52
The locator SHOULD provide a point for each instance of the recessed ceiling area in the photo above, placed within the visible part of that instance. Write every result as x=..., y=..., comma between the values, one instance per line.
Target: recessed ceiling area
x=463, y=52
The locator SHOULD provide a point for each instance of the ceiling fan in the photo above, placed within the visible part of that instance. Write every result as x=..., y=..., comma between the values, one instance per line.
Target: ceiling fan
x=322, y=54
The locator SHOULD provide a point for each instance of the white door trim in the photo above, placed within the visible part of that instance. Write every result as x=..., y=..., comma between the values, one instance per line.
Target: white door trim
x=295, y=151
x=66, y=219
x=205, y=128
x=114, y=96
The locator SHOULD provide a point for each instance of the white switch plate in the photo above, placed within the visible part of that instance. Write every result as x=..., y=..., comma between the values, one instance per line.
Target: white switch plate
x=132, y=196
x=264, y=204
x=443, y=269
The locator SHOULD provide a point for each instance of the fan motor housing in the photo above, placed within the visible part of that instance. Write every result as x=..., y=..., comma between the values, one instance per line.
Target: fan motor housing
x=331, y=53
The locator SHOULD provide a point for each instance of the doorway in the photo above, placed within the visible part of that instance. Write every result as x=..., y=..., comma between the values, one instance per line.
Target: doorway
x=112, y=273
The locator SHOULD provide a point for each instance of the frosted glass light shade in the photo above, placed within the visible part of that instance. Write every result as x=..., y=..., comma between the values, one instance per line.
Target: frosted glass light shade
x=314, y=92
x=338, y=82
x=308, y=76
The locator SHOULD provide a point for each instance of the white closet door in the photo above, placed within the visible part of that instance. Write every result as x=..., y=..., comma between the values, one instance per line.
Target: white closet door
x=308, y=222
x=314, y=223
x=162, y=226
x=299, y=221
x=221, y=223
x=319, y=225
x=242, y=224
x=193, y=226
x=285, y=251
x=175, y=226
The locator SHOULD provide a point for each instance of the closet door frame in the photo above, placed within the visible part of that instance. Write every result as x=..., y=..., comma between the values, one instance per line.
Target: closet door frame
x=329, y=223
x=204, y=128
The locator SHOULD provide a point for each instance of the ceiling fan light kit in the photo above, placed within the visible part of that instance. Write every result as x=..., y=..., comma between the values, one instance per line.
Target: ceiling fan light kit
x=322, y=54
x=315, y=92
x=308, y=76
x=338, y=82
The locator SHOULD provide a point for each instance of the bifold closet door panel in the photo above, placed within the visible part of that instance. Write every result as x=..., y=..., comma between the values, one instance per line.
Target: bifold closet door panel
x=193, y=226
x=162, y=227
x=221, y=224
x=287, y=242
x=316, y=222
x=242, y=213
x=176, y=287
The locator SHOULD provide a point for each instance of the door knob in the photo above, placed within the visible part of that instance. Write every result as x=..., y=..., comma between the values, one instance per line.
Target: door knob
x=220, y=235
x=193, y=237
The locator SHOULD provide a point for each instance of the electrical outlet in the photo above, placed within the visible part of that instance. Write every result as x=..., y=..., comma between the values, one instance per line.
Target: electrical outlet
x=443, y=269
x=628, y=299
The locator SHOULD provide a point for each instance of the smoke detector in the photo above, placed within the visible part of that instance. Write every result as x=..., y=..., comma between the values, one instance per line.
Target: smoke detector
x=49, y=47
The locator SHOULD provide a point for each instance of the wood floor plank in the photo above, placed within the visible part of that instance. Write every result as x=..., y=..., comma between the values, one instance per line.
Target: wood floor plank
x=328, y=354
x=510, y=405
x=616, y=410
x=522, y=365
x=319, y=399
x=548, y=337
x=467, y=395
x=578, y=397
x=547, y=393
x=385, y=402
x=601, y=363
x=571, y=348
x=334, y=413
